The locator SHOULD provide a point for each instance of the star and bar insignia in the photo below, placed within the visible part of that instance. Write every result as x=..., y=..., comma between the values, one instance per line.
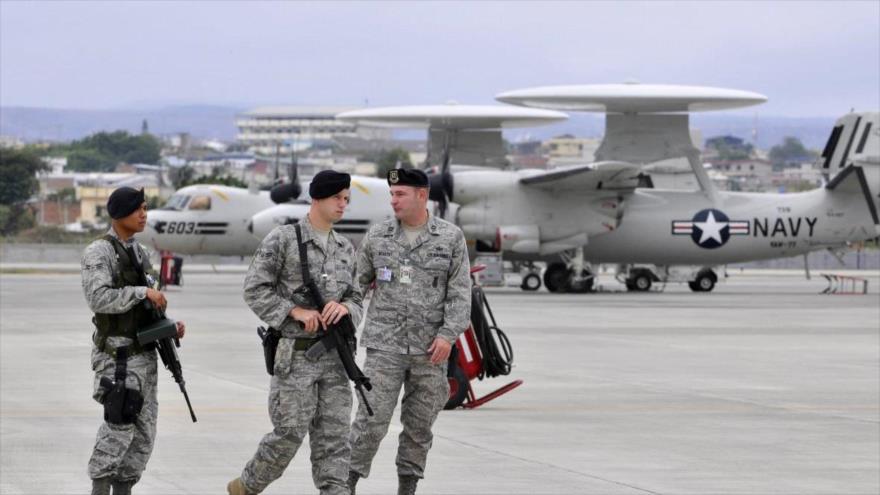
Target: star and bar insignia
x=710, y=228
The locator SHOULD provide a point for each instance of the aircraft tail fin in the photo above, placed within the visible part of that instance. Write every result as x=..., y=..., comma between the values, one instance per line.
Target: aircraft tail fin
x=854, y=140
x=851, y=158
x=852, y=181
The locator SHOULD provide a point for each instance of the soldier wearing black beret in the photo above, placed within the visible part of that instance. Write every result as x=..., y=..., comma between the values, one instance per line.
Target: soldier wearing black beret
x=308, y=397
x=407, y=177
x=417, y=267
x=115, y=293
x=326, y=183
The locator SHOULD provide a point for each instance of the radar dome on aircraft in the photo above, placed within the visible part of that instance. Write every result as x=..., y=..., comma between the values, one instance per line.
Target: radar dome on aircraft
x=470, y=132
x=632, y=98
x=452, y=116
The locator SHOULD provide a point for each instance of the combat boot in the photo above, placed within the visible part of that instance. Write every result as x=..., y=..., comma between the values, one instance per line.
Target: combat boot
x=236, y=487
x=101, y=486
x=122, y=487
x=407, y=485
x=353, y=478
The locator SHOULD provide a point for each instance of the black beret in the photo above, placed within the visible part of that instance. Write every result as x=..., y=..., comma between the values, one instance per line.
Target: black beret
x=407, y=177
x=326, y=183
x=124, y=201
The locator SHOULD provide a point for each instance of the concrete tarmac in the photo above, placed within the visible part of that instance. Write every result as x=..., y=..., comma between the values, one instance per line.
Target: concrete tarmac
x=760, y=387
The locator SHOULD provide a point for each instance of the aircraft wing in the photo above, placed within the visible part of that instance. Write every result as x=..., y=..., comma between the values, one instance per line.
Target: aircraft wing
x=590, y=177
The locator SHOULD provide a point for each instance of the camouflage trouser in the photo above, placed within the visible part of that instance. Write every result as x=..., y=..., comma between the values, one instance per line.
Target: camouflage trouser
x=425, y=392
x=311, y=397
x=121, y=451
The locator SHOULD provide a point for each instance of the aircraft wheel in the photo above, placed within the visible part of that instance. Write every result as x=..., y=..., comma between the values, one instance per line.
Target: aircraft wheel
x=705, y=281
x=458, y=388
x=581, y=286
x=556, y=277
x=639, y=281
x=531, y=282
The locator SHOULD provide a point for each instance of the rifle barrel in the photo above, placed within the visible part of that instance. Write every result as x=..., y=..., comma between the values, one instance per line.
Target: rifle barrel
x=186, y=397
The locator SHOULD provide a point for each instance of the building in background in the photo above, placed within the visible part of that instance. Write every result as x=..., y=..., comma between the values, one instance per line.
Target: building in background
x=284, y=129
x=93, y=191
x=82, y=196
x=561, y=149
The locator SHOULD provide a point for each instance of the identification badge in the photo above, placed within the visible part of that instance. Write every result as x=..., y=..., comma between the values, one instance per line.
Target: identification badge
x=406, y=272
x=385, y=274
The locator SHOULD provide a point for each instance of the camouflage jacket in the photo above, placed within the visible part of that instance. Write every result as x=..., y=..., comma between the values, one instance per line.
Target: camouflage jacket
x=99, y=268
x=271, y=287
x=406, y=317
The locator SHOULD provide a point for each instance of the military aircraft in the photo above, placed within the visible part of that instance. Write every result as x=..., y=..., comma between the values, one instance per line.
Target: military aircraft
x=231, y=221
x=216, y=219
x=609, y=212
x=206, y=219
x=613, y=215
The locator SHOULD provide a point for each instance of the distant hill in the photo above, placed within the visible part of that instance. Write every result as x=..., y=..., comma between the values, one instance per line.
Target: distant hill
x=812, y=131
x=203, y=121
x=35, y=124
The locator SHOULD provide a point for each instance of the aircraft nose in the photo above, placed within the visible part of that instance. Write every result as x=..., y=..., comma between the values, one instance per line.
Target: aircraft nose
x=261, y=224
x=149, y=234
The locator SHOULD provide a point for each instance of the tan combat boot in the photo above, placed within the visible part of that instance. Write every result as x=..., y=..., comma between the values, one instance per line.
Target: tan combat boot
x=236, y=487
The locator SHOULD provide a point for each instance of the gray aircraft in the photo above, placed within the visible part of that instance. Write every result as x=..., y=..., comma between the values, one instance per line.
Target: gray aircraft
x=608, y=211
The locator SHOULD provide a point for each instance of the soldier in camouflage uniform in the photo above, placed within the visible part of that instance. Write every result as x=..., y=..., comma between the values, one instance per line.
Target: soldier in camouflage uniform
x=420, y=305
x=112, y=291
x=305, y=396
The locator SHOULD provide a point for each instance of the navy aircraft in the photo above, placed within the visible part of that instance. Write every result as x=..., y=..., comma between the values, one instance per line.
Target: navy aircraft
x=609, y=212
x=602, y=212
x=206, y=219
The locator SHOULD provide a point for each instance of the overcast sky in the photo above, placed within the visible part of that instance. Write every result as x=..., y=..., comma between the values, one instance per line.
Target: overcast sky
x=809, y=58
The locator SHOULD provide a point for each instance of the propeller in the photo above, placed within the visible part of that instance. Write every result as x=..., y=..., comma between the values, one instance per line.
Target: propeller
x=287, y=191
x=441, y=183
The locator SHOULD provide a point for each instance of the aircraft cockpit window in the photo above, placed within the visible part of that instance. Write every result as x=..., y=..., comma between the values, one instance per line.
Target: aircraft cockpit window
x=200, y=203
x=176, y=202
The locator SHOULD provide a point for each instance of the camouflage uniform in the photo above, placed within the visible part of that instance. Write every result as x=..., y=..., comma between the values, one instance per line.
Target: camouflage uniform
x=305, y=396
x=402, y=321
x=121, y=451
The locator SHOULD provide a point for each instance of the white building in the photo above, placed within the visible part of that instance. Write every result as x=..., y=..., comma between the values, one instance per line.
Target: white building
x=265, y=130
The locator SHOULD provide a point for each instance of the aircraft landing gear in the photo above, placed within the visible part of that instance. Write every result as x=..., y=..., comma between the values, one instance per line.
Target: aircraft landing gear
x=639, y=281
x=580, y=284
x=531, y=282
x=704, y=282
x=571, y=276
x=556, y=277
